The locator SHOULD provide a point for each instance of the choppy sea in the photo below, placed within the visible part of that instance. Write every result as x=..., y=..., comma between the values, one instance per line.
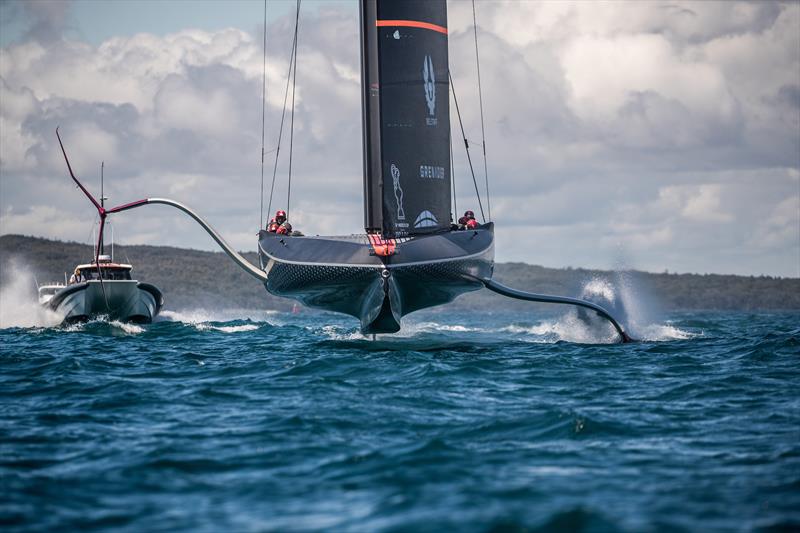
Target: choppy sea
x=469, y=421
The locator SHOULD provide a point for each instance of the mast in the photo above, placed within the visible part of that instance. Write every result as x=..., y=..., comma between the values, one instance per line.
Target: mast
x=371, y=117
x=406, y=125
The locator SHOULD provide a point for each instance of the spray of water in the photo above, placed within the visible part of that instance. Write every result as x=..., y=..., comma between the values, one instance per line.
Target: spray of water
x=19, y=305
x=627, y=299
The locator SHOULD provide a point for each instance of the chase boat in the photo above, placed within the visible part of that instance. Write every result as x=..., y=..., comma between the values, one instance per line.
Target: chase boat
x=103, y=288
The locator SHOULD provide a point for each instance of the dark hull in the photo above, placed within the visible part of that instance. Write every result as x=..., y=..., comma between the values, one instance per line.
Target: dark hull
x=344, y=274
x=127, y=301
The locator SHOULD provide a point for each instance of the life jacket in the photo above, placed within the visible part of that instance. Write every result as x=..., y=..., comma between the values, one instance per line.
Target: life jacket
x=284, y=229
x=273, y=226
x=472, y=224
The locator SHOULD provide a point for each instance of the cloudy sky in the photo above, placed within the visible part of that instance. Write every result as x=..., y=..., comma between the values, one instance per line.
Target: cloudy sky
x=659, y=136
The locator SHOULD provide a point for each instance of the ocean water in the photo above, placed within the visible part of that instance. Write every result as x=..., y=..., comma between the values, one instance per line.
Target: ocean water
x=260, y=421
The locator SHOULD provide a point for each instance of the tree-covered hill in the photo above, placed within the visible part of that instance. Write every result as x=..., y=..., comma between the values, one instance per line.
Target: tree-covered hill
x=193, y=278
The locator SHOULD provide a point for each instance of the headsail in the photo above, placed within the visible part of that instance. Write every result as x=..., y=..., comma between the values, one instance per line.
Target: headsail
x=406, y=116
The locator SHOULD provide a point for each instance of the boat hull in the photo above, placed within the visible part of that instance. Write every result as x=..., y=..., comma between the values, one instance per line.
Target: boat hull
x=124, y=300
x=345, y=275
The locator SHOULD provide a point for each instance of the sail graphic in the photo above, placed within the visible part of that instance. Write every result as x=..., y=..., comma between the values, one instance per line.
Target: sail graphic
x=406, y=116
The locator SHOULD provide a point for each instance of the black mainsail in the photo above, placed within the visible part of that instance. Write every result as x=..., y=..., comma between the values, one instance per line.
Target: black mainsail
x=406, y=117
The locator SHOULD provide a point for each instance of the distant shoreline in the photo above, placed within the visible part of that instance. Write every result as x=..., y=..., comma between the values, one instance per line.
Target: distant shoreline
x=195, y=278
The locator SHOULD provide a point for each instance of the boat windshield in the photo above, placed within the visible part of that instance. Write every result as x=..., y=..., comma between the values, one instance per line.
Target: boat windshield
x=108, y=273
x=49, y=290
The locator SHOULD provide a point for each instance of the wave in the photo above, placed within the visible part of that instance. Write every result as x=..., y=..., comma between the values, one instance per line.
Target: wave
x=127, y=327
x=200, y=315
x=116, y=326
x=409, y=330
x=227, y=329
x=225, y=321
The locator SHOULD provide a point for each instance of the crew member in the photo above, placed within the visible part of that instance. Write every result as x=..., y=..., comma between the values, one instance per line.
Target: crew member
x=463, y=222
x=277, y=222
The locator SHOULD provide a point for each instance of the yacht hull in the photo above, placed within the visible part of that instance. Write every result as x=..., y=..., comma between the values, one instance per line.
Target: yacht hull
x=124, y=300
x=346, y=275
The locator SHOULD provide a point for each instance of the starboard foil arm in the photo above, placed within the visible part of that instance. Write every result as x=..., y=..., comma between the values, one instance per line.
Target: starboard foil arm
x=546, y=298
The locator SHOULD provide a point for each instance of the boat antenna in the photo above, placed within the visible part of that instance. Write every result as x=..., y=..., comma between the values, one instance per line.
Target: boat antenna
x=263, y=113
x=480, y=100
x=283, y=116
x=291, y=128
x=466, y=144
x=102, y=201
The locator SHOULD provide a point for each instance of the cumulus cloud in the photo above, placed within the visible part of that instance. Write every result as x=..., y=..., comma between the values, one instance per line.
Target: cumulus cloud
x=669, y=129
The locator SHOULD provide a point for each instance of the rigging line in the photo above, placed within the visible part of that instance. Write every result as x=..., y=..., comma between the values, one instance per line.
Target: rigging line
x=466, y=144
x=452, y=173
x=480, y=100
x=291, y=128
x=280, y=130
x=263, y=114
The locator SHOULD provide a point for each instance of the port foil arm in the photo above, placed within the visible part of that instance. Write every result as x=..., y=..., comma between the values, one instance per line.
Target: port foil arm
x=546, y=298
x=237, y=258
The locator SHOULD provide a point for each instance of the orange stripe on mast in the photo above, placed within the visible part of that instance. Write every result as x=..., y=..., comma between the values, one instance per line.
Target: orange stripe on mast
x=412, y=24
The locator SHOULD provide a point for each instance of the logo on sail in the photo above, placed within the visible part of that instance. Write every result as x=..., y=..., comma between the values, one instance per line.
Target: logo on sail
x=398, y=191
x=426, y=219
x=430, y=90
x=431, y=172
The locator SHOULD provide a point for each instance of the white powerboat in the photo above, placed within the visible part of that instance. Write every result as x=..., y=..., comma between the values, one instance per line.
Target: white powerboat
x=103, y=288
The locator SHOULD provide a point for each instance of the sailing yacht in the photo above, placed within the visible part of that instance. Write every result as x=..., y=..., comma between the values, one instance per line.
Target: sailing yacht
x=409, y=258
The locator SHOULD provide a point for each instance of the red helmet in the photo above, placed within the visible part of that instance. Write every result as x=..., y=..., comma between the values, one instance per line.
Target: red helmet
x=280, y=214
x=469, y=214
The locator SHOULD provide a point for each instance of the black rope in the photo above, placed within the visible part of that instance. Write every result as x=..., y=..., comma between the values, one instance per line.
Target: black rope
x=466, y=144
x=263, y=114
x=283, y=116
x=291, y=129
x=480, y=99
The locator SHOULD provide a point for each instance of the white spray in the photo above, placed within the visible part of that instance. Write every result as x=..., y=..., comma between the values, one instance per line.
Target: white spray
x=19, y=307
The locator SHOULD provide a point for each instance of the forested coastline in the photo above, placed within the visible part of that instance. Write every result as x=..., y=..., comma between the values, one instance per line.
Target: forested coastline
x=200, y=279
